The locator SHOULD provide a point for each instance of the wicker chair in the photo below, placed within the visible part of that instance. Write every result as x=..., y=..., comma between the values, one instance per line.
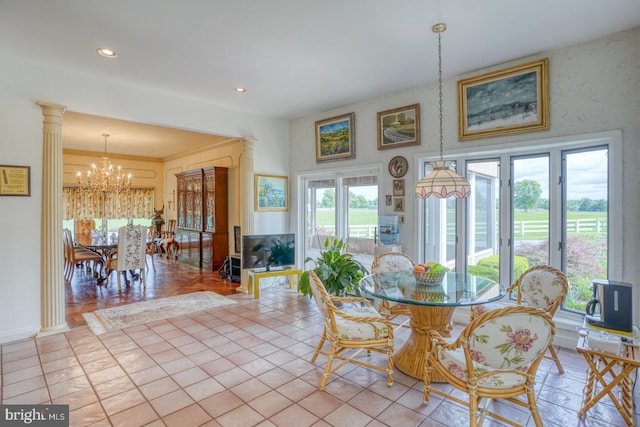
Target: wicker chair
x=392, y=262
x=495, y=357
x=541, y=286
x=131, y=254
x=359, y=327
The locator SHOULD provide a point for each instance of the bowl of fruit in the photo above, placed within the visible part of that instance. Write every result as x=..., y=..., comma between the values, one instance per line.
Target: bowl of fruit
x=429, y=274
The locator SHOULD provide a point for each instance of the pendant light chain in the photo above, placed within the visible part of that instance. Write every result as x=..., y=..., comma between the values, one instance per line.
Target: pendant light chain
x=440, y=30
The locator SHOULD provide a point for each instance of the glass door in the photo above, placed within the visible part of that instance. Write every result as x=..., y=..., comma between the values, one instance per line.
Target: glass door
x=345, y=207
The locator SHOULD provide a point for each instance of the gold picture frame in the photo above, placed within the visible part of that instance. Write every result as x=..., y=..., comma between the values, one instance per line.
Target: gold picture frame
x=335, y=138
x=271, y=193
x=398, y=187
x=509, y=101
x=399, y=127
x=398, y=204
x=15, y=180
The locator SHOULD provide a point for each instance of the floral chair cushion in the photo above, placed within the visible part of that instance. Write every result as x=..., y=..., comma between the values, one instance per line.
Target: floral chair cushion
x=352, y=330
x=502, y=346
x=392, y=263
x=540, y=286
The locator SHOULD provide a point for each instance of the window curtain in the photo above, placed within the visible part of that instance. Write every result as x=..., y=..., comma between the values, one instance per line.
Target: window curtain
x=137, y=203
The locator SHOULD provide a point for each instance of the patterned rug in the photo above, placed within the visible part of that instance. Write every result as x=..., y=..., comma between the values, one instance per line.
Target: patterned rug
x=108, y=319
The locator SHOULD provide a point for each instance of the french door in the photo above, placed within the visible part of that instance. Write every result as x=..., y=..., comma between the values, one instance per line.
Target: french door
x=344, y=206
x=551, y=204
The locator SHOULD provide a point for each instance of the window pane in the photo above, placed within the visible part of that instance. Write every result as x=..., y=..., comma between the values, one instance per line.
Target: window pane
x=586, y=219
x=440, y=229
x=484, y=219
x=530, y=198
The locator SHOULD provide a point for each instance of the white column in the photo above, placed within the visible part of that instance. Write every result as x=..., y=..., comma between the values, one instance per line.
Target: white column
x=246, y=188
x=52, y=276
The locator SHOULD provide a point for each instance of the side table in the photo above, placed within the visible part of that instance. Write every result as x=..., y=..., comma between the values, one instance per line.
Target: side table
x=609, y=370
x=255, y=276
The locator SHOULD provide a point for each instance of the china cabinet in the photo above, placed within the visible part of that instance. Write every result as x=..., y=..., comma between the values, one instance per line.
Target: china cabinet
x=201, y=223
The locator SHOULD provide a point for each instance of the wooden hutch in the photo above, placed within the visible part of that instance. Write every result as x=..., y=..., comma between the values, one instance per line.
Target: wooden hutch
x=201, y=223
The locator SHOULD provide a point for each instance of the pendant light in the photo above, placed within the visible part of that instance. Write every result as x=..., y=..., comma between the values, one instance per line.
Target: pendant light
x=442, y=182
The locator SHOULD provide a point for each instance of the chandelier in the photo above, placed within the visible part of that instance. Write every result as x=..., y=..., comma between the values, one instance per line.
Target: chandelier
x=104, y=178
x=441, y=182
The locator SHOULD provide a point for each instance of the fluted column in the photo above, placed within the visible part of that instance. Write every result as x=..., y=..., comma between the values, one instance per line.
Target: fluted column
x=52, y=300
x=246, y=188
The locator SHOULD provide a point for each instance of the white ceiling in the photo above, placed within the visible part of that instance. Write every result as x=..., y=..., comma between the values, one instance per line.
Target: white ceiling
x=294, y=57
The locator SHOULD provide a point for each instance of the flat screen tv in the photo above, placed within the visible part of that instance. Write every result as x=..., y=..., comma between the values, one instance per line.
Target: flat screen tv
x=268, y=251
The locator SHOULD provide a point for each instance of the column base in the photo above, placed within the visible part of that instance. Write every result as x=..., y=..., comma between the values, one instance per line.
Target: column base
x=53, y=330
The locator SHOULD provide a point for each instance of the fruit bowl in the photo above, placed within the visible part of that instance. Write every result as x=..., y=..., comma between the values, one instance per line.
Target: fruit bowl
x=428, y=278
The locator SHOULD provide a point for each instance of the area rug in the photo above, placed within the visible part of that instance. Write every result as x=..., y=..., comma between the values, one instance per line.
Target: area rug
x=123, y=316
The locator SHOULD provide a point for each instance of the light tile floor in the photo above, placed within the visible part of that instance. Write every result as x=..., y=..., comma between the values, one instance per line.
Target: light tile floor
x=246, y=365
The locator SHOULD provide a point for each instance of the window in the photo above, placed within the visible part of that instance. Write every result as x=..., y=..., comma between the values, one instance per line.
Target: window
x=553, y=205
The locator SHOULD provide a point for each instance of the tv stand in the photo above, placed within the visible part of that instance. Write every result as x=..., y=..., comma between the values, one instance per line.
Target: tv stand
x=256, y=274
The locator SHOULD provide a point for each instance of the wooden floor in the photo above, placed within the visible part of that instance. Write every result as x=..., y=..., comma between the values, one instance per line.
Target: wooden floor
x=170, y=278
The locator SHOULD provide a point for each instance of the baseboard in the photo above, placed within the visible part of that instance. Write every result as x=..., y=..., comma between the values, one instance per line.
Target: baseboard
x=18, y=334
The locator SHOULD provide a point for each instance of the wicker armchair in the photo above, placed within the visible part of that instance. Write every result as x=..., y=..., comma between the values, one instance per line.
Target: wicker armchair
x=495, y=357
x=358, y=328
x=541, y=286
x=392, y=262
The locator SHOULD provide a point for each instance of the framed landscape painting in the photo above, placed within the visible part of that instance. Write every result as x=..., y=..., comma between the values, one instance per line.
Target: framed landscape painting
x=271, y=193
x=335, y=138
x=399, y=127
x=509, y=101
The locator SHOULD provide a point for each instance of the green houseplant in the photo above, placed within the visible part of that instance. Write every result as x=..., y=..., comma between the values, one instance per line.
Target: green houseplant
x=338, y=270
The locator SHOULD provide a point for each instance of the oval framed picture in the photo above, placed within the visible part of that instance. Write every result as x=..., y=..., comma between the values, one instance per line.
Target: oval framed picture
x=398, y=167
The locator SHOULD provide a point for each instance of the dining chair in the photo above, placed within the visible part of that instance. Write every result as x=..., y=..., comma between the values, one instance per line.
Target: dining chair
x=541, y=286
x=131, y=254
x=354, y=326
x=152, y=246
x=74, y=255
x=495, y=357
x=392, y=262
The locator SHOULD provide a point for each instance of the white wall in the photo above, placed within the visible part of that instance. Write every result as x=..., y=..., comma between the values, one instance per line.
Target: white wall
x=594, y=87
x=22, y=83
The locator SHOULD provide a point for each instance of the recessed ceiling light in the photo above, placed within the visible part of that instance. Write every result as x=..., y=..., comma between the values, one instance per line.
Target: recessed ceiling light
x=240, y=90
x=107, y=53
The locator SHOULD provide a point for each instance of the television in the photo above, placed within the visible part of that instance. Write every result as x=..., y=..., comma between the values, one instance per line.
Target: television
x=268, y=251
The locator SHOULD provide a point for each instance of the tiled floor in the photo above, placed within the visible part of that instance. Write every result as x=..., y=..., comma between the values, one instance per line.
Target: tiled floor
x=245, y=365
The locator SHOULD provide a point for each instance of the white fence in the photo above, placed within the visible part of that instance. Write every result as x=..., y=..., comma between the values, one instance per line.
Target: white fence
x=520, y=228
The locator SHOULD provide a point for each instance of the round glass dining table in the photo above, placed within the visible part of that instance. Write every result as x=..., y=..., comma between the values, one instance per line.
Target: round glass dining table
x=431, y=307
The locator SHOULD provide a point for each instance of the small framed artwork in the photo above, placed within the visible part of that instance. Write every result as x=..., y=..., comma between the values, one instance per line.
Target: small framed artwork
x=509, y=101
x=15, y=180
x=388, y=200
x=399, y=127
x=271, y=193
x=398, y=187
x=335, y=138
x=398, y=204
x=398, y=167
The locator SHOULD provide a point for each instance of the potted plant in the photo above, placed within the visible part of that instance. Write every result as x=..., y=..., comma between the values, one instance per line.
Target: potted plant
x=338, y=270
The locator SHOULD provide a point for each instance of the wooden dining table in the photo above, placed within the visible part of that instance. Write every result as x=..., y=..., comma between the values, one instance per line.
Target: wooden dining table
x=431, y=307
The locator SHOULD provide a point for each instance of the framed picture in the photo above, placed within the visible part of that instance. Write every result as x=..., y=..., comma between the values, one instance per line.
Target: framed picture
x=271, y=193
x=398, y=204
x=398, y=167
x=399, y=127
x=513, y=100
x=335, y=138
x=15, y=180
x=398, y=187
x=387, y=200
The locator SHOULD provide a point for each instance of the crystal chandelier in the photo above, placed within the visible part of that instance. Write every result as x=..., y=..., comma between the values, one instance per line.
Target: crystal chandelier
x=104, y=178
x=442, y=182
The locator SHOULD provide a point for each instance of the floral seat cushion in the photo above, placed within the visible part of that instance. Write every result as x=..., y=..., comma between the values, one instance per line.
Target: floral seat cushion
x=351, y=330
x=501, y=347
x=540, y=288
